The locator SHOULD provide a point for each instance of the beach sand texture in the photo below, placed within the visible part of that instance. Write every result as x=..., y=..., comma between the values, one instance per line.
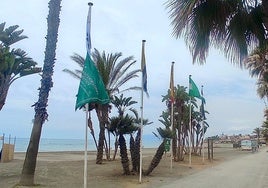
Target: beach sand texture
x=65, y=169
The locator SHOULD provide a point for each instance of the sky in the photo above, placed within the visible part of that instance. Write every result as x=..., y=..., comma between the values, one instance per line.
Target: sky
x=120, y=26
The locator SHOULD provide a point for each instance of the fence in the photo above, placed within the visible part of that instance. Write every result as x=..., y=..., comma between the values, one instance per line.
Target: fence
x=7, y=151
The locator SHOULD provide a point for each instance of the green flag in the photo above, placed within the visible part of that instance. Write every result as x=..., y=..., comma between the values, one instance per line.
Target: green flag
x=91, y=88
x=193, y=90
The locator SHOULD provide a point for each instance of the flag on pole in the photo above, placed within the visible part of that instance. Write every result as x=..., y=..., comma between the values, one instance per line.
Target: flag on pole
x=91, y=87
x=193, y=90
x=144, y=88
x=143, y=68
x=172, y=83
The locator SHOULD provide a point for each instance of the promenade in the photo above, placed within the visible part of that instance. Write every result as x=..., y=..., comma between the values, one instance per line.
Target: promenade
x=249, y=171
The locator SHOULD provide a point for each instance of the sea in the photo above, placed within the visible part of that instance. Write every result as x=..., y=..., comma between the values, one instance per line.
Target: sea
x=53, y=145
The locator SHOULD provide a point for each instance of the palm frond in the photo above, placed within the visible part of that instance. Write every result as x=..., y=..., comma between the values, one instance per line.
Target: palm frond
x=78, y=59
x=235, y=27
x=73, y=74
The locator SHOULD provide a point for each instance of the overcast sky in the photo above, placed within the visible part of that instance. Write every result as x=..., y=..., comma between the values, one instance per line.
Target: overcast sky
x=120, y=26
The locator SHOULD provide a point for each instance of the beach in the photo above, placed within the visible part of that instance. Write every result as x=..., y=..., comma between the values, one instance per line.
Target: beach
x=65, y=169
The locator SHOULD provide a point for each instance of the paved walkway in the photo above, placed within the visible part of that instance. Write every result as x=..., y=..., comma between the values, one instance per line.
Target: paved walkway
x=250, y=171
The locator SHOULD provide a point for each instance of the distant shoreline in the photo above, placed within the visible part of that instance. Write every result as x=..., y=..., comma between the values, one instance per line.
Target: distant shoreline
x=48, y=145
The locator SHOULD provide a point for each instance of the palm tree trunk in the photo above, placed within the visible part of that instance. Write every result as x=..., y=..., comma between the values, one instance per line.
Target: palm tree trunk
x=183, y=145
x=109, y=145
x=28, y=170
x=106, y=147
x=132, y=152
x=92, y=130
x=115, y=146
x=196, y=146
x=174, y=145
x=176, y=157
x=102, y=113
x=137, y=151
x=100, y=144
x=123, y=154
x=4, y=86
x=157, y=158
x=180, y=144
x=94, y=138
x=201, y=145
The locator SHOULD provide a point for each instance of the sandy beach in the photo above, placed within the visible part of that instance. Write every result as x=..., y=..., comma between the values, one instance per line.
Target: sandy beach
x=65, y=169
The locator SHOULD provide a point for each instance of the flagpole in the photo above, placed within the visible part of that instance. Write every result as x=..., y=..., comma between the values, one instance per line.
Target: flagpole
x=171, y=144
x=85, y=154
x=203, y=151
x=193, y=92
x=172, y=114
x=87, y=107
x=203, y=131
x=190, y=128
x=190, y=136
x=141, y=127
x=141, y=108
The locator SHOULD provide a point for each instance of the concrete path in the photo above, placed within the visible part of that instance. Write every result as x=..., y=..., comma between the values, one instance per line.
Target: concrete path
x=250, y=171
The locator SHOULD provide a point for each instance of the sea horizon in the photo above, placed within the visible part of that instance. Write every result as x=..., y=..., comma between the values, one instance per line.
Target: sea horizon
x=73, y=144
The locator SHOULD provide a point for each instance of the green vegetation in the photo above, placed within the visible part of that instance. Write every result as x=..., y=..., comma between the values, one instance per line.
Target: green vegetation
x=14, y=63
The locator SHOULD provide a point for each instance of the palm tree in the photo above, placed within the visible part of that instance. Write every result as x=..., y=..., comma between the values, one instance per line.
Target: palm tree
x=197, y=120
x=14, y=63
x=164, y=134
x=262, y=89
x=124, y=125
x=122, y=104
x=235, y=27
x=114, y=71
x=157, y=157
x=265, y=130
x=180, y=109
x=41, y=115
x=257, y=131
x=181, y=119
x=136, y=143
x=257, y=64
x=115, y=74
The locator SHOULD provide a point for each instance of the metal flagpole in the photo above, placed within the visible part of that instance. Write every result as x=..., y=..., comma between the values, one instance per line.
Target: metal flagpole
x=203, y=126
x=203, y=151
x=190, y=137
x=85, y=154
x=190, y=128
x=141, y=126
x=87, y=105
x=172, y=112
x=171, y=141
